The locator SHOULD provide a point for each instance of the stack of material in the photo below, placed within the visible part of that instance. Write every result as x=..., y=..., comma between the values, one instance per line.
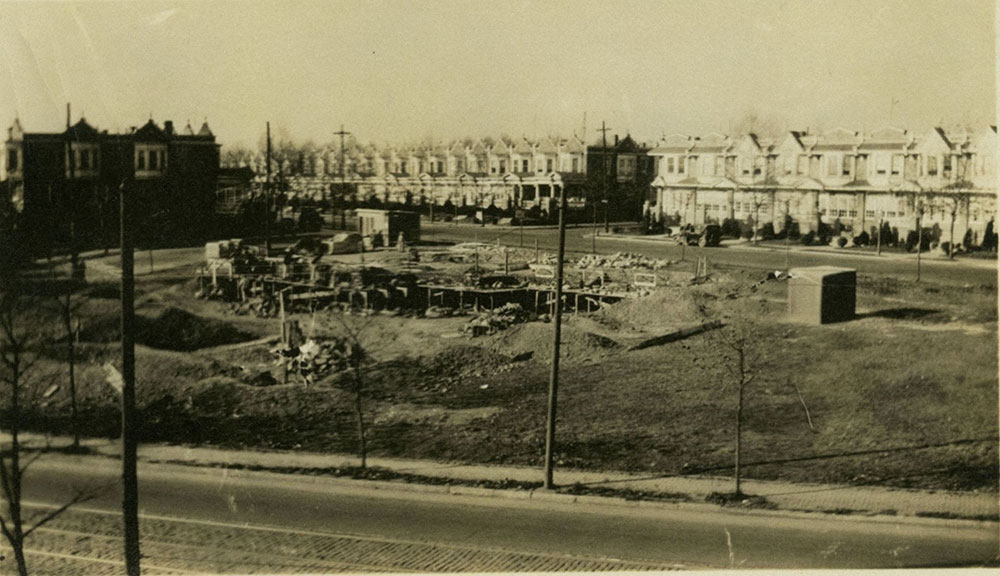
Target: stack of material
x=622, y=260
x=221, y=249
x=488, y=322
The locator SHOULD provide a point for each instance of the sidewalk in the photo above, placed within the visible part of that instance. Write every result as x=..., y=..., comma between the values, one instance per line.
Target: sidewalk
x=926, y=257
x=785, y=496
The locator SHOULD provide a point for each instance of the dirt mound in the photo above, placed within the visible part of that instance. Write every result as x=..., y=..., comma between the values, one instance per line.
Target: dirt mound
x=536, y=338
x=172, y=329
x=663, y=309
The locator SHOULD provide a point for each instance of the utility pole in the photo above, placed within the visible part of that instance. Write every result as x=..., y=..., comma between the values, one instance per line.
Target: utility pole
x=604, y=175
x=267, y=194
x=550, y=432
x=343, y=181
x=130, y=481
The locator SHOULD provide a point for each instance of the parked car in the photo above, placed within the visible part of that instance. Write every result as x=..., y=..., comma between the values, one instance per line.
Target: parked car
x=706, y=235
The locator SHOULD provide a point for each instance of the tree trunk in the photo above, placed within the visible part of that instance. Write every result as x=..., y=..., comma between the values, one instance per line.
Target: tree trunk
x=951, y=232
x=362, y=445
x=739, y=439
x=71, y=358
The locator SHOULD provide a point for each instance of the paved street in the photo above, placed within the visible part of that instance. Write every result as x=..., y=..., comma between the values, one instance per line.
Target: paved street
x=579, y=241
x=222, y=520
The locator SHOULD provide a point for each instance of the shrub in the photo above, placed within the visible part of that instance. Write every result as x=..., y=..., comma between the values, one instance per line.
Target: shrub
x=746, y=233
x=766, y=231
x=841, y=241
x=731, y=228
x=793, y=230
x=808, y=238
x=862, y=239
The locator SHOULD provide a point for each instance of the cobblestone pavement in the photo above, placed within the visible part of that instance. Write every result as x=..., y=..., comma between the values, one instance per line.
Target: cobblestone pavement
x=90, y=542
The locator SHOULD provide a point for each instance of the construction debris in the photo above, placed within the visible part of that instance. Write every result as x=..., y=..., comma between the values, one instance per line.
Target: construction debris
x=622, y=260
x=488, y=322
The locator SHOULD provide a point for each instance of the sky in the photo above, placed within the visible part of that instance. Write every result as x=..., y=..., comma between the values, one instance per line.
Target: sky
x=404, y=70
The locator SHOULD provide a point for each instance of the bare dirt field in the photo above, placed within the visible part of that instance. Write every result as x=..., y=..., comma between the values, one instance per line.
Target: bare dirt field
x=904, y=395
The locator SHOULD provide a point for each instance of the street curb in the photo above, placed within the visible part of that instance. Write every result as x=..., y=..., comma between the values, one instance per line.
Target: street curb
x=693, y=504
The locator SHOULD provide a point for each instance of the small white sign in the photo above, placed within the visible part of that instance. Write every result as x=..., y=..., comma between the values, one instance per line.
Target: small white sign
x=113, y=377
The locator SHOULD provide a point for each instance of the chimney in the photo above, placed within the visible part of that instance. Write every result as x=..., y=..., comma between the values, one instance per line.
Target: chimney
x=616, y=139
x=67, y=115
x=168, y=127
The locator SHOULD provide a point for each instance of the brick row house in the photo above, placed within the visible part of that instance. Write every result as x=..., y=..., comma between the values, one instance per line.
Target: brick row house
x=66, y=184
x=841, y=178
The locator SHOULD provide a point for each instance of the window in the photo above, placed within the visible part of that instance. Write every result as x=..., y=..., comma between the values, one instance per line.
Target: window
x=803, y=166
x=841, y=213
x=881, y=164
x=932, y=166
x=680, y=165
x=789, y=164
x=153, y=157
x=12, y=160
x=745, y=166
x=852, y=213
x=140, y=159
x=833, y=166
x=670, y=165
x=503, y=166
x=524, y=166
x=548, y=165
x=576, y=164
x=947, y=166
x=897, y=164
x=846, y=166
x=869, y=213
x=459, y=165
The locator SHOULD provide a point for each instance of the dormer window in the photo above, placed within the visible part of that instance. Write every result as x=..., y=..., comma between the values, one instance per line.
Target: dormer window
x=150, y=160
x=932, y=166
x=846, y=167
x=680, y=165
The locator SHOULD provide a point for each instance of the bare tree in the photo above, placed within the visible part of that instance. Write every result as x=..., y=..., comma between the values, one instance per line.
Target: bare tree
x=350, y=358
x=19, y=337
x=737, y=358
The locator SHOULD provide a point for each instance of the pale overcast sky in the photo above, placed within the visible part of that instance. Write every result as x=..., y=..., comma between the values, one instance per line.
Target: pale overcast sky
x=405, y=69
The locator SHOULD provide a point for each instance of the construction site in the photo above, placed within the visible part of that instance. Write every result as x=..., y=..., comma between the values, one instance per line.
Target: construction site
x=247, y=347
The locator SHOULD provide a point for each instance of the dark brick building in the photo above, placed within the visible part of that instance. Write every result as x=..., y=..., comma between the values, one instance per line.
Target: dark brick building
x=65, y=185
x=630, y=171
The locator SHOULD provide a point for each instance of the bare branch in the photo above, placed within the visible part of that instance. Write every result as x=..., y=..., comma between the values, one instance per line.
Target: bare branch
x=76, y=499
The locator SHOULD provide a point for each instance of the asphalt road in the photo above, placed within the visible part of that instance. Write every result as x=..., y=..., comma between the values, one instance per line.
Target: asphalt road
x=579, y=241
x=329, y=525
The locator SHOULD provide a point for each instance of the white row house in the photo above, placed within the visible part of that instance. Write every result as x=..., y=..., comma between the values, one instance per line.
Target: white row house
x=848, y=177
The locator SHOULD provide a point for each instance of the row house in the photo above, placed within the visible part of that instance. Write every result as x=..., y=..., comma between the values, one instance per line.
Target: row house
x=840, y=177
x=504, y=173
x=70, y=180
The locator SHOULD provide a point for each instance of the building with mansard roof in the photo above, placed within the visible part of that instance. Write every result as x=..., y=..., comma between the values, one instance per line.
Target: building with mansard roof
x=839, y=179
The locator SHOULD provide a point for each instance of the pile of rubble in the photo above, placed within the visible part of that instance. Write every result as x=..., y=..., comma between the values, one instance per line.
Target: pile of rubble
x=622, y=260
x=488, y=322
x=313, y=360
